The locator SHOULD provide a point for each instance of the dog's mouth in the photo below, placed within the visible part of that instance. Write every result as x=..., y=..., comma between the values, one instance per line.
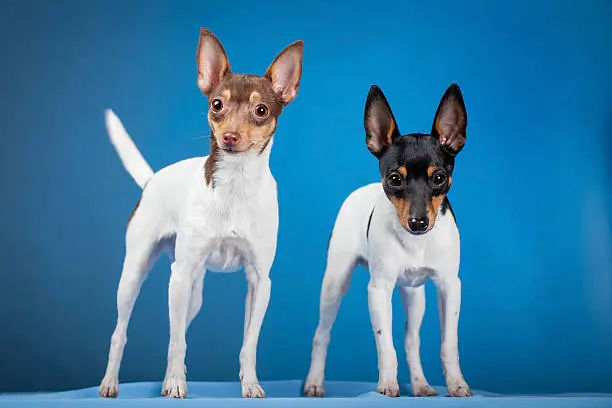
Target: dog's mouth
x=417, y=232
x=231, y=149
x=237, y=149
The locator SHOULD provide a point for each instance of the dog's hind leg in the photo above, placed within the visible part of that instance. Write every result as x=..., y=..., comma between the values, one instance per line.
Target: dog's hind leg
x=141, y=253
x=340, y=265
x=414, y=306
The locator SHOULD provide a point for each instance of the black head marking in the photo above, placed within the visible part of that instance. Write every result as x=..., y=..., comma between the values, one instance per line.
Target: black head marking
x=416, y=168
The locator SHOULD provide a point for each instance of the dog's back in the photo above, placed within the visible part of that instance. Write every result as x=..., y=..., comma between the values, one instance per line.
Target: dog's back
x=351, y=226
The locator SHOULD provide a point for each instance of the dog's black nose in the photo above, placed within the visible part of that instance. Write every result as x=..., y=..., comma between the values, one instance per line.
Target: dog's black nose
x=418, y=224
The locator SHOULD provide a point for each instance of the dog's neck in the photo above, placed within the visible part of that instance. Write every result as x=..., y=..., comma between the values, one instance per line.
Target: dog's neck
x=232, y=170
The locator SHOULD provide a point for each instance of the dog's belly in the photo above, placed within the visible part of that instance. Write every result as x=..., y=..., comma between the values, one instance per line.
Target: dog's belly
x=227, y=255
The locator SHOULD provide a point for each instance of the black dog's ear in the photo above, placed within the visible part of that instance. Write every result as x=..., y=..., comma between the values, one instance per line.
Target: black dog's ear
x=450, y=122
x=380, y=126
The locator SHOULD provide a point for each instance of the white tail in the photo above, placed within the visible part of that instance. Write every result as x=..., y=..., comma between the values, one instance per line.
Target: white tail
x=129, y=154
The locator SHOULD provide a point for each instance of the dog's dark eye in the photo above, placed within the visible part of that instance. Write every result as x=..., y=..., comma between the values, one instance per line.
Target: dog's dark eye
x=262, y=111
x=216, y=105
x=439, y=179
x=395, y=180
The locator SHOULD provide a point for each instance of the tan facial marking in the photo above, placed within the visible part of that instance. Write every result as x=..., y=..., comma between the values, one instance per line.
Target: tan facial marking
x=403, y=171
x=431, y=170
x=216, y=127
x=217, y=131
x=260, y=136
x=402, y=206
x=255, y=97
x=227, y=94
x=433, y=208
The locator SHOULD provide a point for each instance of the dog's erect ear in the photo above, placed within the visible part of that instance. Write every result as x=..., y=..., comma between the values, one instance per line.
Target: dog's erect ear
x=211, y=60
x=380, y=126
x=286, y=70
x=450, y=122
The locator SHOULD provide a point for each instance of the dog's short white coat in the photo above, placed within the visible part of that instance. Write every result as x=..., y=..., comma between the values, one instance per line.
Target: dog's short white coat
x=222, y=229
x=394, y=257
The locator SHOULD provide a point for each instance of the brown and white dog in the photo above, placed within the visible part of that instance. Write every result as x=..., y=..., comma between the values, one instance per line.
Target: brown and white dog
x=218, y=212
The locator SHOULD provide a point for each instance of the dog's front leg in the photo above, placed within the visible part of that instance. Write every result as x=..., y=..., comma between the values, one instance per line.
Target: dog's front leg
x=182, y=279
x=449, y=304
x=259, y=286
x=380, y=292
x=414, y=305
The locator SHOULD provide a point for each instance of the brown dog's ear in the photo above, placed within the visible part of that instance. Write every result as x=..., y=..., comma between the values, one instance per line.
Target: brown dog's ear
x=380, y=126
x=211, y=60
x=285, y=72
x=450, y=122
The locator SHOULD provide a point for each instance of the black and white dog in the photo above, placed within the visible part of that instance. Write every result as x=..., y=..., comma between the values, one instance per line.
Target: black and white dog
x=404, y=231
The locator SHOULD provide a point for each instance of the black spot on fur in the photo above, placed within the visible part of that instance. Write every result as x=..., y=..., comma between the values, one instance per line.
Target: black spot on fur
x=446, y=206
x=369, y=222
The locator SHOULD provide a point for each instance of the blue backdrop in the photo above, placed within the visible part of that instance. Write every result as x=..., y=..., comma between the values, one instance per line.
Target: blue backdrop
x=531, y=189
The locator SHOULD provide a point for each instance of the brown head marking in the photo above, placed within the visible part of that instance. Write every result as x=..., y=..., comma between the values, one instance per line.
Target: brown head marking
x=244, y=109
x=211, y=163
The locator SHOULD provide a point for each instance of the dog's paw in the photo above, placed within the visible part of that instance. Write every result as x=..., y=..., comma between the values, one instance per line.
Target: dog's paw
x=174, y=387
x=423, y=390
x=314, y=386
x=314, y=390
x=109, y=387
x=390, y=388
x=458, y=388
x=252, y=390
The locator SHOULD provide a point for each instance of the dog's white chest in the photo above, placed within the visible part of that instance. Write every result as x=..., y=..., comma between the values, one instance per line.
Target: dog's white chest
x=230, y=220
x=232, y=230
x=416, y=265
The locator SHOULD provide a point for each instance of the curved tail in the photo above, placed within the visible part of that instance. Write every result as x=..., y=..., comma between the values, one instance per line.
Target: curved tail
x=129, y=154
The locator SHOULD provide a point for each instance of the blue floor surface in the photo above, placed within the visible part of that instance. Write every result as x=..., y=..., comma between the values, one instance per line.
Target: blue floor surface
x=289, y=394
